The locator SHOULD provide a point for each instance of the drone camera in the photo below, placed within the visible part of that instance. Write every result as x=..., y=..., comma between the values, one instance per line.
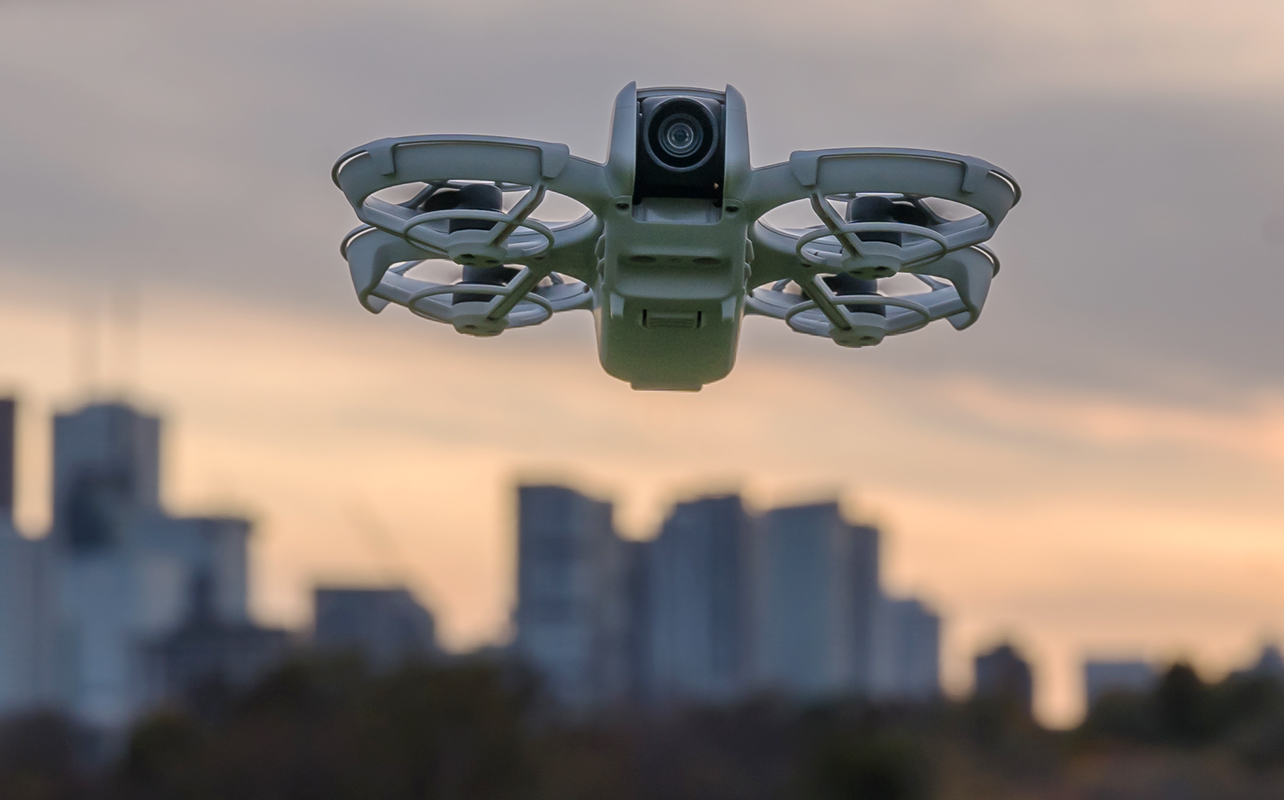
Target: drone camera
x=681, y=151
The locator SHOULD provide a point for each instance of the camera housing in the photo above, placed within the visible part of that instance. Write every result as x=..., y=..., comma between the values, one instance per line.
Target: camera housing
x=681, y=145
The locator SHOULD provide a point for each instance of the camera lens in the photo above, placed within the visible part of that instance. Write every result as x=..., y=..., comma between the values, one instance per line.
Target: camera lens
x=680, y=135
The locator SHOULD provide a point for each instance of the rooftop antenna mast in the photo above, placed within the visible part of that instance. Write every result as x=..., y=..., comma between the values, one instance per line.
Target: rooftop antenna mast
x=125, y=319
x=84, y=321
x=379, y=543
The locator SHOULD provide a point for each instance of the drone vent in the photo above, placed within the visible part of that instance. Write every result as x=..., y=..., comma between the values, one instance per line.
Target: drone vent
x=681, y=320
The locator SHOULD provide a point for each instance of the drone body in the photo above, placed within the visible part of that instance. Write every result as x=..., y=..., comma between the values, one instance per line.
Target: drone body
x=673, y=251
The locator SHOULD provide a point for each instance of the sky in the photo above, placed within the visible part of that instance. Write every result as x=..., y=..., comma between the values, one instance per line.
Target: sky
x=1095, y=469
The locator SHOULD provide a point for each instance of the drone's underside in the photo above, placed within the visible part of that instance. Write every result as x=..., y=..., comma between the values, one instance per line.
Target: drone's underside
x=670, y=278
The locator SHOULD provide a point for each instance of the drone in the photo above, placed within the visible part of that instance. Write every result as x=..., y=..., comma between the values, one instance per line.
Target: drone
x=674, y=249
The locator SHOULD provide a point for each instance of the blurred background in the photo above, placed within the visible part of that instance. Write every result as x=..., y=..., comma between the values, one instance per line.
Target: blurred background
x=1092, y=473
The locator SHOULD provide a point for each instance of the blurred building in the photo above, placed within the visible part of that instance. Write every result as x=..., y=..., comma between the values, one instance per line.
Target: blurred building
x=572, y=615
x=907, y=652
x=18, y=668
x=126, y=567
x=26, y=594
x=385, y=626
x=1101, y=677
x=1003, y=675
x=697, y=625
x=721, y=604
x=106, y=458
x=28, y=633
x=866, y=601
x=8, y=455
x=815, y=584
x=210, y=654
x=638, y=613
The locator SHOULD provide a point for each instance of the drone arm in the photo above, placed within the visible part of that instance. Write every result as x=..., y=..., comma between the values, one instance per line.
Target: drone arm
x=774, y=258
x=572, y=251
x=772, y=186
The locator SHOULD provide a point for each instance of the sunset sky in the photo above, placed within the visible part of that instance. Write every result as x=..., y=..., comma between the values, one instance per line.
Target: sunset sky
x=1096, y=468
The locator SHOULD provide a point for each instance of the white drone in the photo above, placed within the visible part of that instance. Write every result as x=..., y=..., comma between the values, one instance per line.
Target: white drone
x=673, y=251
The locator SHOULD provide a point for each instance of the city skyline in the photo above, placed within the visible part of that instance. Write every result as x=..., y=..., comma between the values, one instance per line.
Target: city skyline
x=723, y=605
x=695, y=498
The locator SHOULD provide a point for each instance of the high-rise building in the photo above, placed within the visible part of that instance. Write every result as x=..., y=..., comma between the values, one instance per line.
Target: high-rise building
x=27, y=633
x=209, y=656
x=215, y=548
x=812, y=576
x=106, y=464
x=8, y=455
x=1102, y=677
x=866, y=598
x=387, y=627
x=17, y=621
x=907, y=652
x=572, y=613
x=638, y=613
x=697, y=629
x=17, y=587
x=1004, y=676
x=27, y=594
x=126, y=567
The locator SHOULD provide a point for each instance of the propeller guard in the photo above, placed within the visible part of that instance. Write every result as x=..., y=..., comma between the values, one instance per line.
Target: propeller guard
x=519, y=303
x=820, y=311
x=871, y=259
x=472, y=247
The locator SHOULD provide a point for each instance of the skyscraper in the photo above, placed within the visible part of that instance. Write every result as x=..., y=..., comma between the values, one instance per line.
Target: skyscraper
x=26, y=594
x=208, y=655
x=865, y=604
x=572, y=616
x=106, y=464
x=213, y=547
x=17, y=591
x=638, y=614
x=697, y=630
x=126, y=567
x=8, y=455
x=812, y=573
x=907, y=651
x=25, y=632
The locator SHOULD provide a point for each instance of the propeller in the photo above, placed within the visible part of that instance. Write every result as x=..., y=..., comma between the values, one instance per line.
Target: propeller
x=832, y=304
x=904, y=209
x=875, y=208
x=472, y=197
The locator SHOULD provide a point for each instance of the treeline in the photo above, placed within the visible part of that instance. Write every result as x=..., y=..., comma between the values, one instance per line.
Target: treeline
x=1242, y=715
x=329, y=730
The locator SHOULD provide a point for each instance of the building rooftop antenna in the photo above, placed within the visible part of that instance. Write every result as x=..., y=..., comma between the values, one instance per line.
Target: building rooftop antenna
x=125, y=317
x=85, y=366
x=379, y=543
